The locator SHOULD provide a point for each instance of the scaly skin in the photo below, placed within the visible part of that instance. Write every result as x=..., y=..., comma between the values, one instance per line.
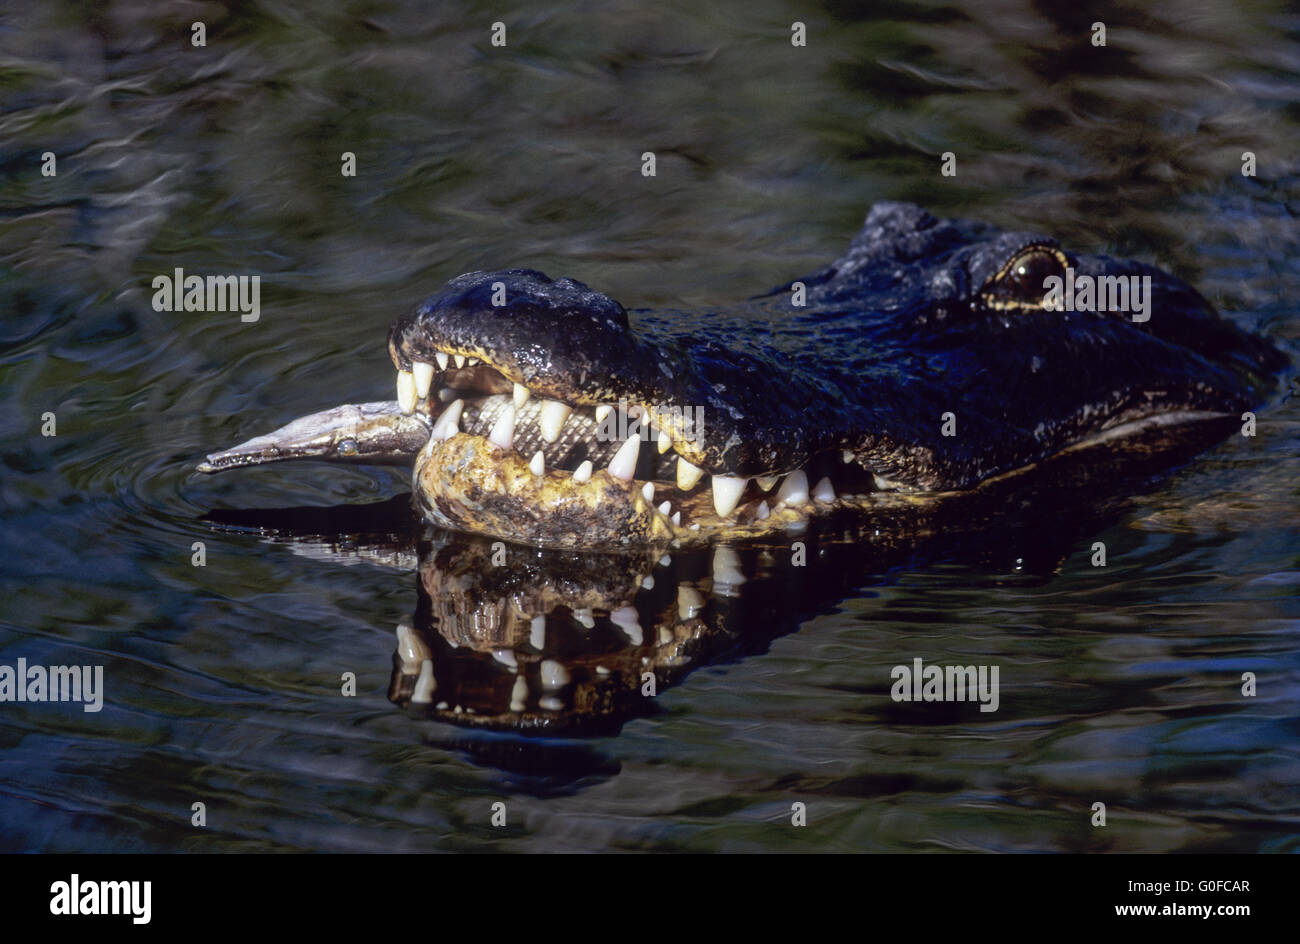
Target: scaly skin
x=786, y=411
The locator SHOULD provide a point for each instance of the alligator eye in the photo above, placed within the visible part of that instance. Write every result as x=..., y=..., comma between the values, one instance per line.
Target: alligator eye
x=1020, y=283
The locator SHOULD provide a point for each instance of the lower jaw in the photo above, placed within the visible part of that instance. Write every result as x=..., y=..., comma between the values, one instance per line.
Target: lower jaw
x=466, y=483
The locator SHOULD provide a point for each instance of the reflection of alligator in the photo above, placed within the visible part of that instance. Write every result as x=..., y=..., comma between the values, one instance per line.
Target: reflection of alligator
x=925, y=362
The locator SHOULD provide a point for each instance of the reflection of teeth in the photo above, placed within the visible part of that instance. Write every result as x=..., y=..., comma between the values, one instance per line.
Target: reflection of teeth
x=423, y=374
x=521, y=395
x=447, y=393
x=665, y=442
x=552, y=675
x=823, y=492
x=406, y=391
x=626, y=620
x=602, y=412
x=762, y=511
x=443, y=360
x=583, y=472
x=689, y=602
x=687, y=475
x=550, y=703
x=794, y=490
x=648, y=491
x=726, y=569
x=503, y=433
x=448, y=424
x=552, y=418
x=847, y=456
x=601, y=670
x=538, y=465
x=726, y=493
x=519, y=695
x=584, y=617
x=459, y=359
x=537, y=633
x=623, y=465
x=425, y=685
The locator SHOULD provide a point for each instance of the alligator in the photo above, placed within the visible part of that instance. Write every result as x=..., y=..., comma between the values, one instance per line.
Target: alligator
x=935, y=358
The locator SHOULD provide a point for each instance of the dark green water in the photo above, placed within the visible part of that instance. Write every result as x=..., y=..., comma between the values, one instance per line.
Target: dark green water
x=1120, y=685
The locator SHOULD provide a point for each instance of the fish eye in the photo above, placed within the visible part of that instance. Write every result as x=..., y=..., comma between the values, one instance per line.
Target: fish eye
x=1020, y=282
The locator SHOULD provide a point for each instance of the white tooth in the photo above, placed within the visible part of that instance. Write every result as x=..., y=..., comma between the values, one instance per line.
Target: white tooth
x=765, y=482
x=519, y=695
x=627, y=620
x=677, y=518
x=554, y=413
x=448, y=393
x=552, y=675
x=665, y=442
x=406, y=391
x=443, y=360
x=666, y=559
x=847, y=456
x=448, y=424
x=506, y=658
x=410, y=647
x=648, y=583
x=521, y=395
x=423, y=374
x=538, y=465
x=471, y=361
x=726, y=571
x=425, y=685
x=602, y=412
x=623, y=465
x=687, y=474
x=550, y=703
x=601, y=670
x=794, y=490
x=726, y=493
x=763, y=511
x=689, y=602
x=665, y=509
x=823, y=492
x=648, y=491
x=503, y=432
x=537, y=633
x=585, y=617
x=459, y=359
x=583, y=472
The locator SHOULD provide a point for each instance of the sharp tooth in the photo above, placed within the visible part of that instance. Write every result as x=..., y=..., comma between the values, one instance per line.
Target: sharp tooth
x=648, y=491
x=763, y=511
x=794, y=490
x=627, y=619
x=677, y=518
x=847, y=456
x=583, y=472
x=411, y=649
x=448, y=424
x=765, y=482
x=623, y=465
x=552, y=675
x=665, y=442
x=602, y=412
x=443, y=360
x=689, y=602
x=648, y=583
x=726, y=493
x=519, y=695
x=554, y=413
x=425, y=685
x=423, y=374
x=537, y=632
x=538, y=465
x=823, y=492
x=665, y=509
x=521, y=395
x=471, y=361
x=459, y=359
x=406, y=391
x=687, y=474
x=503, y=433
x=585, y=617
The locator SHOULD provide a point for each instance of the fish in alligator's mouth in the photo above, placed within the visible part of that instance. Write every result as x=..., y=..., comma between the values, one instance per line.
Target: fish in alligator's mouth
x=933, y=357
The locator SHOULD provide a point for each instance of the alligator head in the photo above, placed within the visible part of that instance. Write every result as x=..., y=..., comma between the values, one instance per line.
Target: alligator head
x=933, y=357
